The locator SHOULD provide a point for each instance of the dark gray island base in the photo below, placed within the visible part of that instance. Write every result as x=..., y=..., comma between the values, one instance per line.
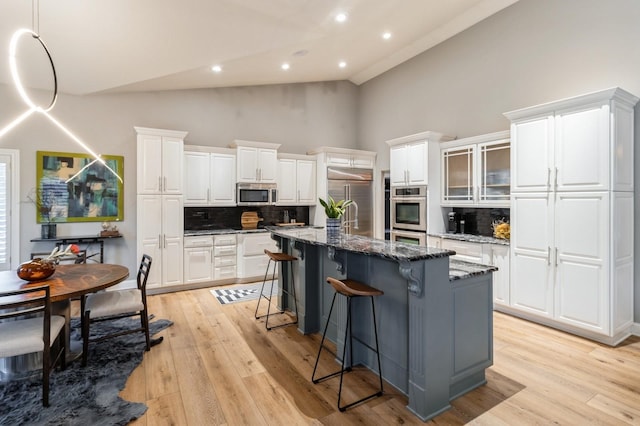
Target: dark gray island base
x=435, y=329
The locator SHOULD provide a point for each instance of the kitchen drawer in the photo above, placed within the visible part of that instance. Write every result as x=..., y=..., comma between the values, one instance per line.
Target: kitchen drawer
x=204, y=241
x=471, y=252
x=224, y=251
x=256, y=244
x=224, y=272
x=224, y=261
x=224, y=240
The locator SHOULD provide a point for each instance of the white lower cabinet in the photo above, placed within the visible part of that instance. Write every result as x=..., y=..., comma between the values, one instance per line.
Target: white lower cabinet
x=488, y=254
x=224, y=257
x=572, y=261
x=252, y=262
x=498, y=255
x=160, y=233
x=198, y=259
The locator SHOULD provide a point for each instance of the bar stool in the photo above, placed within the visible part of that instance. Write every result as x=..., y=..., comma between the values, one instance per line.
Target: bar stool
x=276, y=258
x=350, y=289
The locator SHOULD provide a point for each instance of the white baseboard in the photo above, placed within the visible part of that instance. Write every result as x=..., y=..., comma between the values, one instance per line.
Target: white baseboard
x=635, y=329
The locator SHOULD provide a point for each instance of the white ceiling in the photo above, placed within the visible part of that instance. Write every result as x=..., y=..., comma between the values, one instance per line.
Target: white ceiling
x=141, y=45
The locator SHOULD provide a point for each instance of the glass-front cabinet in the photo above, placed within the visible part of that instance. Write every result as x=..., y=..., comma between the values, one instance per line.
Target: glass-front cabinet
x=495, y=171
x=476, y=171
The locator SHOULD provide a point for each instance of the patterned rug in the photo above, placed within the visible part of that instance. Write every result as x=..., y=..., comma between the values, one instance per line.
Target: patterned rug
x=242, y=292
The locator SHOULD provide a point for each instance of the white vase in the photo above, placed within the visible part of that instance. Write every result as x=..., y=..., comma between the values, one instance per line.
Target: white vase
x=333, y=227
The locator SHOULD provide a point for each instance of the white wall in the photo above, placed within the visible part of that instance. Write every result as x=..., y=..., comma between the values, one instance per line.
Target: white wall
x=299, y=116
x=532, y=52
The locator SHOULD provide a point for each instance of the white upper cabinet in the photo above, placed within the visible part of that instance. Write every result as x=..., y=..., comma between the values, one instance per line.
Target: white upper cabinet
x=296, y=180
x=578, y=144
x=209, y=176
x=196, y=178
x=409, y=158
x=344, y=157
x=160, y=165
x=257, y=162
x=476, y=171
x=222, y=184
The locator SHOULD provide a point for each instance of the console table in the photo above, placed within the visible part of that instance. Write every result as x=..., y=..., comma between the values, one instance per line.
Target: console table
x=79, y=239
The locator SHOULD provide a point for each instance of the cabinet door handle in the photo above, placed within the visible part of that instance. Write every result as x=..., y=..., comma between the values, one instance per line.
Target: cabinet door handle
x=548, y=255
x=165, y=184
x=556, y=257
x=208, y=195
x=298, y=195
x=165, y=240
x=159, y=183
x=555, y=180
x=159, y=241
x=549, y=179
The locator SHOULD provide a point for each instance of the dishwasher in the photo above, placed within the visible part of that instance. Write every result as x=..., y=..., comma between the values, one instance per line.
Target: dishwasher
x=198, y=259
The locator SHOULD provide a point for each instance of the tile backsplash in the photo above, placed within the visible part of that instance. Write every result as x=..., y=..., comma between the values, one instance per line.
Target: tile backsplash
x=197, y=218
x=478, y=220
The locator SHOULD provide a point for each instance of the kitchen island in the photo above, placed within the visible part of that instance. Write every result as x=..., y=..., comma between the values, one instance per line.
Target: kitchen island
x=434, y=320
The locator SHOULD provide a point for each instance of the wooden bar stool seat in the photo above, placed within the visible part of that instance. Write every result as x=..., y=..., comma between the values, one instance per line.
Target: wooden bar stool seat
x=276, y=258
x=350, y=289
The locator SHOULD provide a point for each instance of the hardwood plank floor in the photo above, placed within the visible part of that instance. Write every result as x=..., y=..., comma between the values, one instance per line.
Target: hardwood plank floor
x=219, y=366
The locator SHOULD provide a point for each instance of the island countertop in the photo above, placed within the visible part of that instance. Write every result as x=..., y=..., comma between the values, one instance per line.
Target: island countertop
x=364, y=245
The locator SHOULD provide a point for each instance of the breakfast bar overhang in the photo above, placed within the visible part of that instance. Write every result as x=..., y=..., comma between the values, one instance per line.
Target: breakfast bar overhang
x=434, y=320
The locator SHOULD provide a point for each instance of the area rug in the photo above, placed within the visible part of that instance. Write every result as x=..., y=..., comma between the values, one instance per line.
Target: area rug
x=242, y=292
x=83, y=396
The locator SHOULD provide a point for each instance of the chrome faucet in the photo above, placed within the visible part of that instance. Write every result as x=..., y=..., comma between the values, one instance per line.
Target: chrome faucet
x=355, y=221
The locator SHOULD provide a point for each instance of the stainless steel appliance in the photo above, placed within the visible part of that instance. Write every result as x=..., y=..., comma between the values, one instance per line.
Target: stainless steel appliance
x=355, y=185
x=256, y=194
x=409, y=208
x=454, y=223
x=409, y=237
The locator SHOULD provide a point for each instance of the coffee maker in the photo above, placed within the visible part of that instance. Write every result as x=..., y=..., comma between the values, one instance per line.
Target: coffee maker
x=453, y=226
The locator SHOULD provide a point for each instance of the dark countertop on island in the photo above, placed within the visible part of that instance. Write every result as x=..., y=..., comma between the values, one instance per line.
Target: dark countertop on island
x=363, y=245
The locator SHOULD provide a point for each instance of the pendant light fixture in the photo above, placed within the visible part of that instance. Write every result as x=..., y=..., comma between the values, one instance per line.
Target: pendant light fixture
x=33, y=107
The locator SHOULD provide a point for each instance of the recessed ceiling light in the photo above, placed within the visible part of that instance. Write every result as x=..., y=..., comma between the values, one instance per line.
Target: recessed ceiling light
x=216, y=68
x=302, y=52
x=341, y=17
x=342, y=64
x=386, y=35
x=285, y=66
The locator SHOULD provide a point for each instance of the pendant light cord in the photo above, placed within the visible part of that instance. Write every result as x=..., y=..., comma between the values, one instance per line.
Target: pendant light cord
x=35, y=16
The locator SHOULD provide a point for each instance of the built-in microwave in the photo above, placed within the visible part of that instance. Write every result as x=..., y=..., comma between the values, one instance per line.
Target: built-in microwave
x=256, y=194
x=409, y=208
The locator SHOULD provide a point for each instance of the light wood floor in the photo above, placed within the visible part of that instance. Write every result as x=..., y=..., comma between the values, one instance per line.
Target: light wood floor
x=219, y=366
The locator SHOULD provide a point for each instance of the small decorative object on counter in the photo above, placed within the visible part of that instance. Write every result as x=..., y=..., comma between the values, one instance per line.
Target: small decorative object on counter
x=109, y=230
x=334, y=211
x=501, y=229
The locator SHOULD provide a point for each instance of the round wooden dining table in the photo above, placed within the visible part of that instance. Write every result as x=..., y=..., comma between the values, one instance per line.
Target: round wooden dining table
x=67, y=282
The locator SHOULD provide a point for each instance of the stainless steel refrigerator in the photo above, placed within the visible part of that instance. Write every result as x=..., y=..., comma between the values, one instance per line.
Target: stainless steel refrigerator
x=356, y=185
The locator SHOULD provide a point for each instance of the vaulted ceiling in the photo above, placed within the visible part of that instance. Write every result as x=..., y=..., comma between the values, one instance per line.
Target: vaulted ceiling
x=146, y=45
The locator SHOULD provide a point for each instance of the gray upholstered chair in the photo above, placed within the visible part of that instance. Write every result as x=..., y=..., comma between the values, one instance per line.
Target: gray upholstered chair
x=27, y=326
x=112, y=305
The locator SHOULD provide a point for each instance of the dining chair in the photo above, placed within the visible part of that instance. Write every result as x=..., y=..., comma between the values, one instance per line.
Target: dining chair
x=27, y=326
x=113, y=305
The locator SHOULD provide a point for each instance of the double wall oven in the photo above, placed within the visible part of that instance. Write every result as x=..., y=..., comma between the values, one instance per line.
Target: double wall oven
x=409, y=214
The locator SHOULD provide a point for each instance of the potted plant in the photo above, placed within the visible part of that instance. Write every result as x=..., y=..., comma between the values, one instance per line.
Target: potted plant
x=44, y=202
x=334, y=211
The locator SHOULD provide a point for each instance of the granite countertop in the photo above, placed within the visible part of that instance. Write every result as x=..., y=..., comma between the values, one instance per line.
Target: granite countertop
x=223, y=231
x=471, y=238
x=459, y=269
x=363, y=245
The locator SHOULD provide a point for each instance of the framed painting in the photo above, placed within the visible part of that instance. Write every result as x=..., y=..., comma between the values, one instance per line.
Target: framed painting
x=74, y=187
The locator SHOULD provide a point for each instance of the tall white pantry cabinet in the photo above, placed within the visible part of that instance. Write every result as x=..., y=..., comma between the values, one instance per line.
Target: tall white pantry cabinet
x=160, y=204
x=572, y=207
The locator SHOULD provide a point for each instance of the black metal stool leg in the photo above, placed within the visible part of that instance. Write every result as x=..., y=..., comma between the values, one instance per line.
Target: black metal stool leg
x=326, y=326
x=348, y=330
x=375, y=332
x=262, y=289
